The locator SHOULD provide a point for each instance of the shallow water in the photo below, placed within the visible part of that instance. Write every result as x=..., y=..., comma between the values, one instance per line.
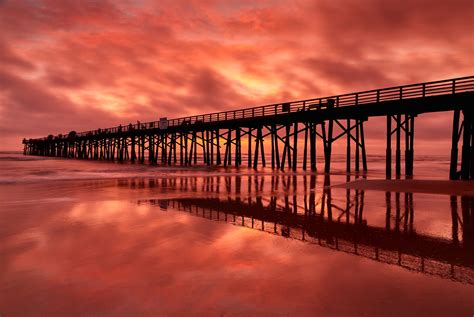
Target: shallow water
x=85, y=238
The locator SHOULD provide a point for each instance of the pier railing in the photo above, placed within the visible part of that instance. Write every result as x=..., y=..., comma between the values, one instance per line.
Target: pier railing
x=420, y=90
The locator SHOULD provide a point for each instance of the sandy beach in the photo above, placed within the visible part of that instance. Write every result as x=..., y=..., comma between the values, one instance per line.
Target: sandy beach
x=248, y=243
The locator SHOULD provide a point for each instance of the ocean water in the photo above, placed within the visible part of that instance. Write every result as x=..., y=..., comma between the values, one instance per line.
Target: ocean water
x=89, y=238
x=19, y=168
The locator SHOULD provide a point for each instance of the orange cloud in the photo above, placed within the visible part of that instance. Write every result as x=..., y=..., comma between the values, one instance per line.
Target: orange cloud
x=68, y=65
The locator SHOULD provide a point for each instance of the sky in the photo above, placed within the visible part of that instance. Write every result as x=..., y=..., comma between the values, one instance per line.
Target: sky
x=81, y=65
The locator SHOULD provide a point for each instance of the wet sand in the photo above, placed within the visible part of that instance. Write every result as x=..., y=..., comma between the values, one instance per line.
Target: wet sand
x=413, y=186
x=232, y=245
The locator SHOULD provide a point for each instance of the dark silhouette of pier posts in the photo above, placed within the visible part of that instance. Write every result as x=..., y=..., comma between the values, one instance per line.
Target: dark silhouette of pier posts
x=295, y=146
x=195, y=143
x=169, y=157
x=238, y=148
x=208, y=150
x=312, y=148
x=227, y=153
x=259, y=147
x=142, y=152
x=305, y=148
x=204, y=147
x=359, y=141
x=171, y=142
x=464, y=132
x=213, y=145
x=328, y=140
x=133, y=153
x=409, y=138
x=388, y=151
x=357, y=149
x=218, y=148
x=192, y=149
x=262, y=148
x=348, y=149
x=362, y=146
x=275, y=148
x=96, y=148
x=397, y=149
x=185, y=146
x=181, y=149
x=151, y=144
x=406, y=126
x=286, y=149
x=273, y=142
x=249, y=148
x=467, y=154
x=174, y=148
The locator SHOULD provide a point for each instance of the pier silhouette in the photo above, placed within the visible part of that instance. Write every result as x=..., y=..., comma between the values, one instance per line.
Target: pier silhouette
x=219, y=135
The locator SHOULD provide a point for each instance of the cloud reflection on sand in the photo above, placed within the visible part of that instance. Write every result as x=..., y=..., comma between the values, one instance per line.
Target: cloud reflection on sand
x=116, y=257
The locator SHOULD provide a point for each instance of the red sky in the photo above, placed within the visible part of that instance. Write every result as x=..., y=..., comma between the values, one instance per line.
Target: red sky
x=79, y=65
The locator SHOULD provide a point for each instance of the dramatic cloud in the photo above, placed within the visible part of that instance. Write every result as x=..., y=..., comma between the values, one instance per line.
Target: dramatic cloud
x=79, y=65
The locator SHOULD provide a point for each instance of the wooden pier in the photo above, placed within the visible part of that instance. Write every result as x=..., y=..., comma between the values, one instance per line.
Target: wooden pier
x=216, y=138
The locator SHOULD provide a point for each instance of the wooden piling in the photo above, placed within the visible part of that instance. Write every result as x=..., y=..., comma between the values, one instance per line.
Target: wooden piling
x=398, y=148
x=348, y=146
x=305, y=148
x=362, y=144
x=388, y=153
x=312, y=141
x=295, y=145
x=357, y=149
x=327, y=163
x=249, y=151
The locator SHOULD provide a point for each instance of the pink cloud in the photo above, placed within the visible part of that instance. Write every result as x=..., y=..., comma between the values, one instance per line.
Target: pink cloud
x=65, y=62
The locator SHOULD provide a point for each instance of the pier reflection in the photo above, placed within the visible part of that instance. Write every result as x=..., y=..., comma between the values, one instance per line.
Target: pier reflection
x=306, y=209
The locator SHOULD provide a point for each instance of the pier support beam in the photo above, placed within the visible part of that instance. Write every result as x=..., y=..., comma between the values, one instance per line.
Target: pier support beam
x=358, y=138
x=305, y=148
x=249, y=148
x=272, y=137
x=287, y=148
x=406, y=126
x=348, y=147
x=218, y=148
x=151, y=152
x=295, y=146
x=133, y=153
x=328, y=146
x=275, y=150
x=228, y=149
x=409, y=138
x=312, y=148
x=238, y=148
x=464, y=132
x=259, y=147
